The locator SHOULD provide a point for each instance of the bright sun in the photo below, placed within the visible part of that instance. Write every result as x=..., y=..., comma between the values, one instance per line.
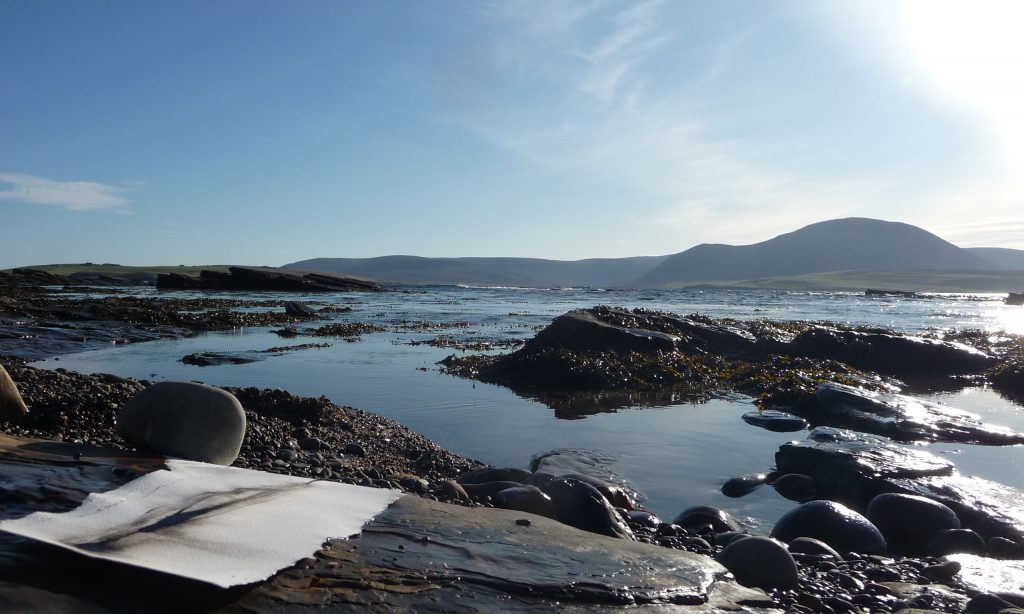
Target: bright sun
x=973, y=52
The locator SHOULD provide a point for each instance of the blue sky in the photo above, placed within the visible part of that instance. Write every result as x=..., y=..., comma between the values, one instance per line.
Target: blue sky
x=268, y=132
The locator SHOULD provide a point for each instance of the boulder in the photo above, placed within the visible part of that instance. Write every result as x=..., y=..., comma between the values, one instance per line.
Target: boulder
x=760, y=562
x=954, y=541
x=902, y=417
x=298, y=310
x=833, y=523
x=525, y=499
x=185, y=420
x=910, y=522
x=899, y=355
x=743, y=484
x=856, y=468
x=11, y=403
x=495, y=474
x=810, y=545
x=580, y=505
x=697, y=518
x=795, y=486
x=585, y=466
x=774, y=420
x=583, y=330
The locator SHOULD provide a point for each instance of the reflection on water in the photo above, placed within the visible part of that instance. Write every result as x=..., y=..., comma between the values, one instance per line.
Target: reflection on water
x=676, y=454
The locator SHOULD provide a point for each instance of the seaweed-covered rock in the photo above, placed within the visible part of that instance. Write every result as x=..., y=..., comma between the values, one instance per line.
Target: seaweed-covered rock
x=890, y=353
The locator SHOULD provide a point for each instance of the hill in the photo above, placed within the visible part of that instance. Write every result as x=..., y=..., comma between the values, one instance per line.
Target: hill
x=520, y=272
x=1004, y=258
x=851, y=244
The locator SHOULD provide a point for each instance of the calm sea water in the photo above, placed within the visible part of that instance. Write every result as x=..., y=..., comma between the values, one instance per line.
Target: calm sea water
x=677, y=455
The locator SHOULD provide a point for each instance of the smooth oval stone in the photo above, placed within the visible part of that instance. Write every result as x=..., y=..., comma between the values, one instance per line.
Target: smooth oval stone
x=810, y=545
x=727, y=537
x=743, y=484
x=495, y=474
x=1003, y=548
x=760, y=562
x=695, y=518
x=11, y=403
x=773, y=420
x=525, y=498
x=952, y=541
x=185, y=420
x=835, y=524
x=910, y=521
x=645, y=518
x=795, y=486
x=488, y=490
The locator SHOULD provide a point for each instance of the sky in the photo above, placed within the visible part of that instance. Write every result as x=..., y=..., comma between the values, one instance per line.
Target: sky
x=262, y=133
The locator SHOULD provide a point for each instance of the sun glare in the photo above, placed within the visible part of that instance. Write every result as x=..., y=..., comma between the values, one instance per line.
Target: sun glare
x=973, y=52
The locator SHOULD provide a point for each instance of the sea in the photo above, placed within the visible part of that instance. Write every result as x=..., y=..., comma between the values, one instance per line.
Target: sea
x=675, y=453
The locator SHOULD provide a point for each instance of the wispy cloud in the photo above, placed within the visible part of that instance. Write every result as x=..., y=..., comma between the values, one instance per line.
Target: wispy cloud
x=73, y=195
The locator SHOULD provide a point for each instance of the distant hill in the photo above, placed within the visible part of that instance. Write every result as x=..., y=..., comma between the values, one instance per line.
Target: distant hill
x=851, y=244
x=520, y=272
x=1004, y=258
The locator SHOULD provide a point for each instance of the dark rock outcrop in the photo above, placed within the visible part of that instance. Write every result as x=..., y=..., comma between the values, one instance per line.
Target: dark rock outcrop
x=901, y=417
x=264, y=280
x=855, y=468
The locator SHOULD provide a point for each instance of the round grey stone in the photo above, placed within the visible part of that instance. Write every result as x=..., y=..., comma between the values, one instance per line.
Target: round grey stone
x=760, y=562
x=695, y=518
x=185, y=420
x=809, y=545
x=795, y=486
x=833, y=523
x=952, y=541
x=910, y=521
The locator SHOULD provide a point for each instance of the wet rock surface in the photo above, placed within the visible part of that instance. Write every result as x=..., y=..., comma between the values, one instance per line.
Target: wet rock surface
x=855, y=468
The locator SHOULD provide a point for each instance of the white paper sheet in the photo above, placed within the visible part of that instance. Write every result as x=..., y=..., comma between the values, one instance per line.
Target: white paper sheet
x=221, y=525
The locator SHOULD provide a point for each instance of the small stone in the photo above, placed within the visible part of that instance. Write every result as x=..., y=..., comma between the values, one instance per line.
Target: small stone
x=1003, y=548
x=795, y=486
x=810, y=545
x=693, y=519
x=743, y=484
x=523, y=522
x=941, y=572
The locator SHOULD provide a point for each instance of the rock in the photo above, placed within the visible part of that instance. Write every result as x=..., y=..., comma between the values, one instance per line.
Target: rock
x=727, y=537
x=11, y=403
x=492, y=474
x=952, y=541
x=941, y=572
x=582, y=465
x=743, y=484
x=488, y=490
x=584, y=330
x=854, y=467
x=298, y=310
x=185, y=420
x=265, y=279
x=810, y=545
x=835, y=524
x=760, y=562
x=1003, y=548
x=696, y=518
x=774, y=420
x=580, y=505
x=889, y=353
x=450, y=490
x=354, y=449
x=910, y=522
x=795, y=486
x=903, y=418
x=526, y=499
x=986, y=603
x=645, y=518
x=209, y=359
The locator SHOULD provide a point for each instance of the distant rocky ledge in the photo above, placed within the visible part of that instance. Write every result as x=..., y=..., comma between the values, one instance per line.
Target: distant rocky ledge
x=265, y=279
